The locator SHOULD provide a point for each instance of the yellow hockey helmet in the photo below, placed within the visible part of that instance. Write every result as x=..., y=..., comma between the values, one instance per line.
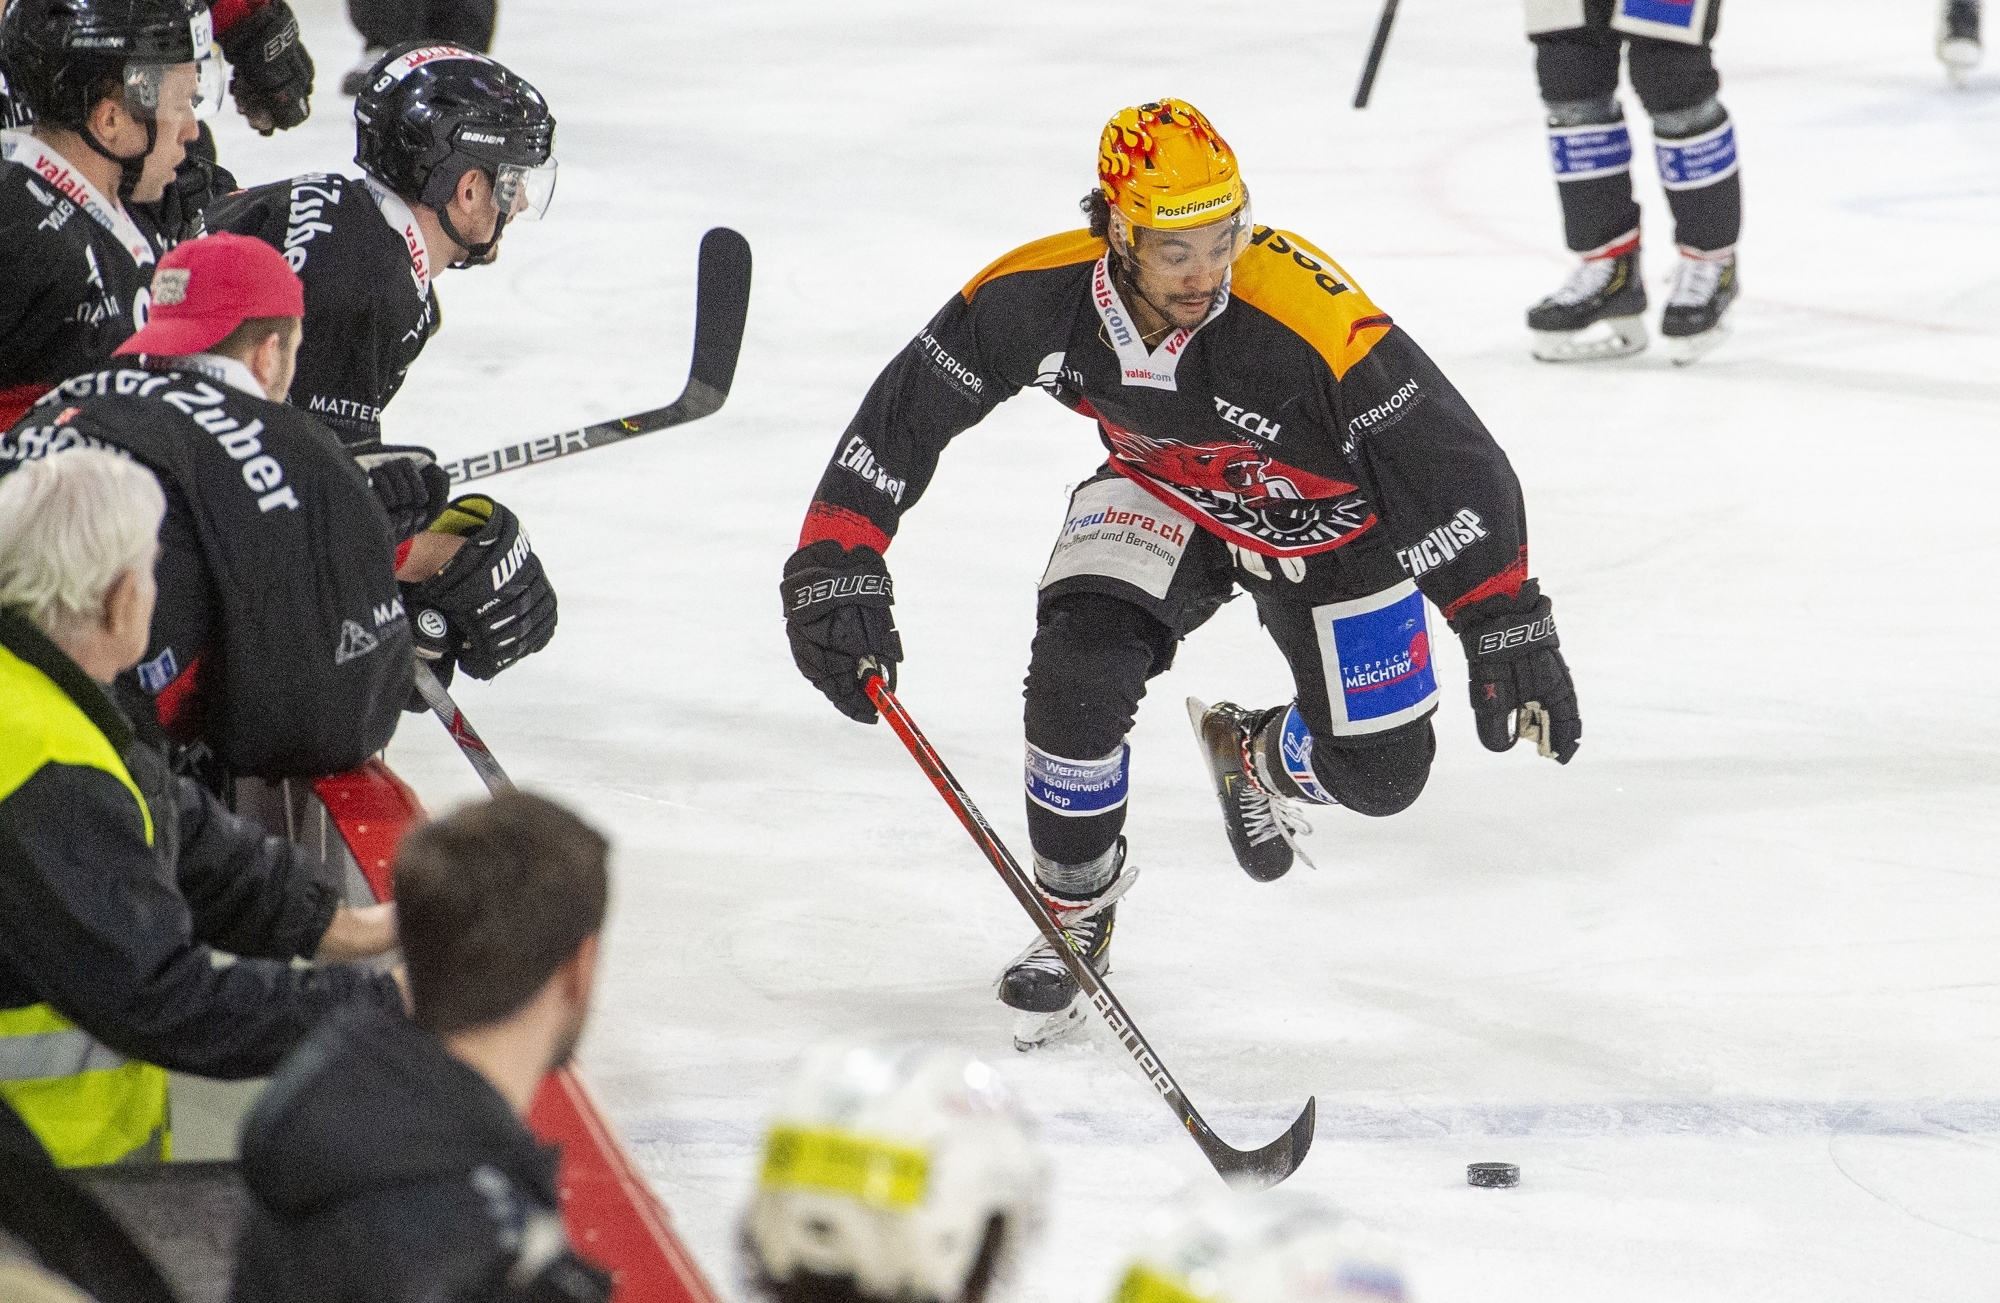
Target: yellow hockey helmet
x=1164, y=166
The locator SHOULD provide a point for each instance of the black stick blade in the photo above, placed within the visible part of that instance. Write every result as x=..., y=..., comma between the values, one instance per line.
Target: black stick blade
x=1260, y=1169
x=722, y=303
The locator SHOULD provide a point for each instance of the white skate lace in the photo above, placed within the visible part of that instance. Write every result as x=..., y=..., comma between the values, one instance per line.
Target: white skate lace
x=1266, y=816
x=1695, y=280
x=1590, y=277
x=1041, y=955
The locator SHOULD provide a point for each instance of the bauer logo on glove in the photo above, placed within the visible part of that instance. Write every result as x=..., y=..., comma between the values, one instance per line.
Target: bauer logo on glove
x=1521, y=688
x=1517, y=636
x=845, y=588
x=837, y=615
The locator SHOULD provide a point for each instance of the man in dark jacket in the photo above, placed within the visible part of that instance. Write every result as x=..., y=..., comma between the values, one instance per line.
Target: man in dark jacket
x=389, y=1161
x=119, y=881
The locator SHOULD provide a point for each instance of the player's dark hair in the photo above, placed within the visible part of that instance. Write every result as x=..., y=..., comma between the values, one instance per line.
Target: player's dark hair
x=491, y=901
x=107, y=84
x=1098, y=209
x=251, y=333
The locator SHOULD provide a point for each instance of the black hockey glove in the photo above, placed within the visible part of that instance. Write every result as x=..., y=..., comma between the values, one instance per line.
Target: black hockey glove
x=1520, y=685
x=178, y=213
x=273, y=75
x=412, y=486
x=837, y=613
x=492, y=599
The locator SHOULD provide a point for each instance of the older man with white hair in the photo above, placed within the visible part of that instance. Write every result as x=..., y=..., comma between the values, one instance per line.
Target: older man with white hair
x=118, y=880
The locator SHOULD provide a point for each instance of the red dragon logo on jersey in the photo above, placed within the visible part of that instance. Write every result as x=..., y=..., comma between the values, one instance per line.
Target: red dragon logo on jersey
x=1239, y=470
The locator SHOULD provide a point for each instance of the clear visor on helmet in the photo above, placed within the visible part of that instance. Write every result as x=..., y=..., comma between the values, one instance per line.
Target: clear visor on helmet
x=1206, y=250
x=523, y=191
x=175, y=92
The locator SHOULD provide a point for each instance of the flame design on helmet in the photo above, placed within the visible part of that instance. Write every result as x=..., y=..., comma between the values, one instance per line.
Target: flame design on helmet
x=1164, y=165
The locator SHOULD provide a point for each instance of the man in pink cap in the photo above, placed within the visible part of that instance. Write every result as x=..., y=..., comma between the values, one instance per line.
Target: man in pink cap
x=279, y=645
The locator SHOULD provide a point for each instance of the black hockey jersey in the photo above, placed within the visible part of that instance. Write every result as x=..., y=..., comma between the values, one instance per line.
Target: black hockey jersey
x=370, y=306
x=1296, y=419
x=279, y=637
x=76, y=269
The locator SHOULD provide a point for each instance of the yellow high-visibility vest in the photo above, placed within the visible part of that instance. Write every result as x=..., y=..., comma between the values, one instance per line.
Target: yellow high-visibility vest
x=87, y=1103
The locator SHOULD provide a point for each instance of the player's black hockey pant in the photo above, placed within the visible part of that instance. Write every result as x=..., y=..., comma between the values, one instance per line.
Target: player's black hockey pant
x=1694, y=139
x=383, y=23
x=1099, y=640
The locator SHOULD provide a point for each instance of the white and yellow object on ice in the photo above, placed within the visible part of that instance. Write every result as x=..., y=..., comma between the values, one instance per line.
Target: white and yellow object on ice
x=907, y=1170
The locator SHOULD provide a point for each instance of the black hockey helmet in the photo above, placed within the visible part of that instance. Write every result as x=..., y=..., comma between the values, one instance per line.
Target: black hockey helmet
x=62, y=56
x=433, y=112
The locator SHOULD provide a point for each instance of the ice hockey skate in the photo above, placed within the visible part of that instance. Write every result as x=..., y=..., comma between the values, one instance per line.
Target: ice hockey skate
x=1958, y=44
x=1704, y=287
x=1038, y=985
x=1596, y=314
x=1263, y=826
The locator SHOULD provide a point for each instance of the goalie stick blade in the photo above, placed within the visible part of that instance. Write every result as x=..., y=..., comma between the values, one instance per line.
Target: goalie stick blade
x=722, y=303
x=1260, y=1169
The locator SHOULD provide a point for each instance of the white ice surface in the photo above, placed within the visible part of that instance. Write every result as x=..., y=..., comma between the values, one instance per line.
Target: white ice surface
x=1726, y=987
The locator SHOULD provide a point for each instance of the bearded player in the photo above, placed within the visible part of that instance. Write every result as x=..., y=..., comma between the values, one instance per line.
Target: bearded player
x=1268, y=428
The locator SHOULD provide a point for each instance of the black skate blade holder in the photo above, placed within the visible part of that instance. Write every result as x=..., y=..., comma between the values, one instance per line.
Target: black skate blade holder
x=1254, y=1169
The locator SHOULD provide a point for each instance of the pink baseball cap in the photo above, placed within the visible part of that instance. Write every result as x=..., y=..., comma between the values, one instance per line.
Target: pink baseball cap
x=205, y=288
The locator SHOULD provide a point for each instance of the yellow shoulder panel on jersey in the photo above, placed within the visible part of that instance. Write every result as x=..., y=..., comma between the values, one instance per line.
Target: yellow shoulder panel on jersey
x=1065, y=250
x=1311, y=294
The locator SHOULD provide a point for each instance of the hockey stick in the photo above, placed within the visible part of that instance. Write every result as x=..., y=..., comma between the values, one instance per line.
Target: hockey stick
x=1362, y=92
x=1252, y=1170
x=722, y=301
x=461, y=730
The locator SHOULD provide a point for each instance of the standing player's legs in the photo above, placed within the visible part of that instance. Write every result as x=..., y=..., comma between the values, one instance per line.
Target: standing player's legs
x=381, y=23
x=1694, y=143
x=1958, y=46
x=1597, y=312
x=462, y=22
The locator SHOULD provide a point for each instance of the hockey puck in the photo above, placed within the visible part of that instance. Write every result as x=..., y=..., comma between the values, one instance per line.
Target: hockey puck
x=1492, y=1175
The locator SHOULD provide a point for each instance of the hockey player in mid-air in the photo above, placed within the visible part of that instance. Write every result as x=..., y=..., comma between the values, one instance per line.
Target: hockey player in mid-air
x=1269, y=428
x=452, y=147
x=1598, y=312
